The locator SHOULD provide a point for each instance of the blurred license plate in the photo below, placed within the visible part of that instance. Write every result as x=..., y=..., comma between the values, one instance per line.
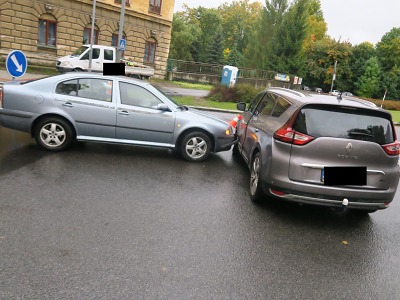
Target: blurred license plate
x=344, y=176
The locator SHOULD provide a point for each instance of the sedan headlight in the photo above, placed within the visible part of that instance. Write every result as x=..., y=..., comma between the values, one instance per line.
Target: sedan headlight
x=229, y=131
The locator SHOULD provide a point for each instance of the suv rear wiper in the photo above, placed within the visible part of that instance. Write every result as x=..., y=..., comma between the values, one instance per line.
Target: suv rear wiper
x=360, y=133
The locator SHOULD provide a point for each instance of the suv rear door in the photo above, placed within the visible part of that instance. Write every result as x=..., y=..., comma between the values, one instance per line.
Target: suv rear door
x=344, y=137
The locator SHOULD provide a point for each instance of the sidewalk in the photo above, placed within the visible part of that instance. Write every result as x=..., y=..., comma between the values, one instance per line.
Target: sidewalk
x=4, y=76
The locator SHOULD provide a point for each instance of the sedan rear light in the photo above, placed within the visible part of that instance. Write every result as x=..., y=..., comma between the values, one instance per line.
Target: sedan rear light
x=392, y=149
x=288, y=135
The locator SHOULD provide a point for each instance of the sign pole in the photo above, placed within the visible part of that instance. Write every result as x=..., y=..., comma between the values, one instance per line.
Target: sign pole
x=92, y=36
x=333, y=75
x=121, y=28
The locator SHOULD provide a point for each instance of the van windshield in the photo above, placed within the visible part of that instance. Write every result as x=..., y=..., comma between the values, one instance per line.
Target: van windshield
x=79, y=51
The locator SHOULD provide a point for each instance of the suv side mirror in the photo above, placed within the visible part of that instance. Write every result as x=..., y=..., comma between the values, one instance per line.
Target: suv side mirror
x=241, y=106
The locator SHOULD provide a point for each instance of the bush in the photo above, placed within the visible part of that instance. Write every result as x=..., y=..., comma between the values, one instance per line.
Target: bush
x=387, y=104
x=238, y=93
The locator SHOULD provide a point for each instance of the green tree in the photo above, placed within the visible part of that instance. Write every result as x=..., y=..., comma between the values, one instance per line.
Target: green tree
x=359, y=55
x=388, y=50
x=256, y=54
x=234, y=58
x=368, y=84
x=239, y=19
x=183, y=36
x=285, y=53
x=215, y=48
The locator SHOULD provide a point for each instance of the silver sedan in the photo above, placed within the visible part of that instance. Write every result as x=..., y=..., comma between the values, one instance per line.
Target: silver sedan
x=110, y=109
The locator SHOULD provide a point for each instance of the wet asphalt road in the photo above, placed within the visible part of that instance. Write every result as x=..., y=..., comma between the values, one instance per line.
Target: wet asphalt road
x=114, y=222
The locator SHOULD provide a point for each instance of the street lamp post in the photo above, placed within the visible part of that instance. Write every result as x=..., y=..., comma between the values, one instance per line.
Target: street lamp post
x=121, y=28
x=333, y=75
x=92, y=36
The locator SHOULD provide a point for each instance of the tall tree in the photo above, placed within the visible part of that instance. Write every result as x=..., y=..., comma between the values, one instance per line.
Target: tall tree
x=183, y=36
x=368, y=83
x=388, y=50
x=271, y=18
x=285, y=53
x=215, y=48
x=239, y=19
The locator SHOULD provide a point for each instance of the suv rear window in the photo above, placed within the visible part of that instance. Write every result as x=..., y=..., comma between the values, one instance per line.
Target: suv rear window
x=343, y=122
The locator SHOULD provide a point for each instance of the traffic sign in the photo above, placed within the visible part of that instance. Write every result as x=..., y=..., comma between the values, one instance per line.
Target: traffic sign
x=16, y=63
x=122, y=45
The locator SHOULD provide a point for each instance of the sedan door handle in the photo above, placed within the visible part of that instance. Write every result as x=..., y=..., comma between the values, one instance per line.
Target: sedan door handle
x=68, y=104
x=123, y=112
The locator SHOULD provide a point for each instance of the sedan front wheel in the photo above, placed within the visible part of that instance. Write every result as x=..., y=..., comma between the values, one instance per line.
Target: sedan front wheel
x=195, y=146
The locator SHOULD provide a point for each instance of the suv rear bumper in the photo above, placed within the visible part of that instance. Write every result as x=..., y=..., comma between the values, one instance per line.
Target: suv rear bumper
x=339, y=202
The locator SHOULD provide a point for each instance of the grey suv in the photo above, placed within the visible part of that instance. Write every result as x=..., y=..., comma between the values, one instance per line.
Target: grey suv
x=318, y=149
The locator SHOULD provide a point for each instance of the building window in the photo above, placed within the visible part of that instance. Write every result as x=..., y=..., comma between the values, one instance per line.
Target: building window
x=47, y=32
x=87, y=38
x=114, y=39
x=150, y=52
x=127, y=3
x=155, y=6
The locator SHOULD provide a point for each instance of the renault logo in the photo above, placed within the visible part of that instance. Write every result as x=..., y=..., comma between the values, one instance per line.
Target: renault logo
x=349, y=147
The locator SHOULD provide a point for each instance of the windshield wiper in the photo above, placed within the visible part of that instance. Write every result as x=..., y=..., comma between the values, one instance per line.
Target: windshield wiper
x=360, y=133
x=183, y=107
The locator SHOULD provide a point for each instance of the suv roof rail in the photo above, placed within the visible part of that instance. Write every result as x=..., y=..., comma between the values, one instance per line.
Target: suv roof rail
x=299, y=94
x=362, y=101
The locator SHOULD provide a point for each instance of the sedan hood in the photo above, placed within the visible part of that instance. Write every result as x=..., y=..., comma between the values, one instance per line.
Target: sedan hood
x=198, y=113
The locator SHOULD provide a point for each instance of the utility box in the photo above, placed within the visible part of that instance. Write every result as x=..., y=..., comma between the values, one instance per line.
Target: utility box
x=229, y=75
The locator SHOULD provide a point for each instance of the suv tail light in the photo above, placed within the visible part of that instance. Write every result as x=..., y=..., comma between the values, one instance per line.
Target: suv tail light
x=288, y=135
x=392, y=149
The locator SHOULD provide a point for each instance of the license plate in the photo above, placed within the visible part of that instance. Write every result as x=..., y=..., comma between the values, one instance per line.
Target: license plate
x=344, y=176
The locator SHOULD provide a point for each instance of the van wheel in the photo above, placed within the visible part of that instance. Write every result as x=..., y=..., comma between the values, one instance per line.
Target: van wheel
x=53, y=134
x=256, y=192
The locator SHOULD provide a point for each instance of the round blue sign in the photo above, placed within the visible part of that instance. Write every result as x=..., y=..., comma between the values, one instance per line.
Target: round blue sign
x=16, y=63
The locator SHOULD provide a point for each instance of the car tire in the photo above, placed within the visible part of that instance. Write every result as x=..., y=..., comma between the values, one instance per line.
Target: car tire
x=256, y=192
x=195, y=146
x=53, y=134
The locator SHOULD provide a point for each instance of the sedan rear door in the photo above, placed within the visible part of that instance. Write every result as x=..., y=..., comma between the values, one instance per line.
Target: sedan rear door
x=89, y=102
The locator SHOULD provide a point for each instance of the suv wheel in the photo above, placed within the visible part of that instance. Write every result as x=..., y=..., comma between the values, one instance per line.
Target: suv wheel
x=256, y=192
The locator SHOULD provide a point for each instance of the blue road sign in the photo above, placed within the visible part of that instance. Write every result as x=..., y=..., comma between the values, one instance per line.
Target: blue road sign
x=16, y=63
x=122, y=45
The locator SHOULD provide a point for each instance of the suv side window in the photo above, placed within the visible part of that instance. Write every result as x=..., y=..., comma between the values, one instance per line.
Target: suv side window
x=266, y=106
x=256, y=100
x=281, y=106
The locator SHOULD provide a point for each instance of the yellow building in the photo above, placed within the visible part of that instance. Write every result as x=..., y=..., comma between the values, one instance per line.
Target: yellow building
x=47, y=29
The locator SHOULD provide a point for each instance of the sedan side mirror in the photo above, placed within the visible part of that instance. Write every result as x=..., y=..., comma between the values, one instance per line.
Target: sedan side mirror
x=241, y=106
x=163, y=107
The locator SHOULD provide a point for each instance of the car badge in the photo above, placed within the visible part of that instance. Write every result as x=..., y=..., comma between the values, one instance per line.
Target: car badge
x=349, y=147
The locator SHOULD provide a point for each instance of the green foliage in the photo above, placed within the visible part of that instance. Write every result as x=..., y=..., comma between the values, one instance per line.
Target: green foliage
x=182, y=37
x=215, y=48
x=237, y=93
x=368, y=83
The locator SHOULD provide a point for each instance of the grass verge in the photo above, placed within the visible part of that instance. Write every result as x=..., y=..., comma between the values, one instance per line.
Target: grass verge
x=193, y=101
x=395, y=115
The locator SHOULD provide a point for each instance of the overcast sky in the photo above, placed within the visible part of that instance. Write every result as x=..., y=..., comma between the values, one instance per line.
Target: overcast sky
x=355, y=21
